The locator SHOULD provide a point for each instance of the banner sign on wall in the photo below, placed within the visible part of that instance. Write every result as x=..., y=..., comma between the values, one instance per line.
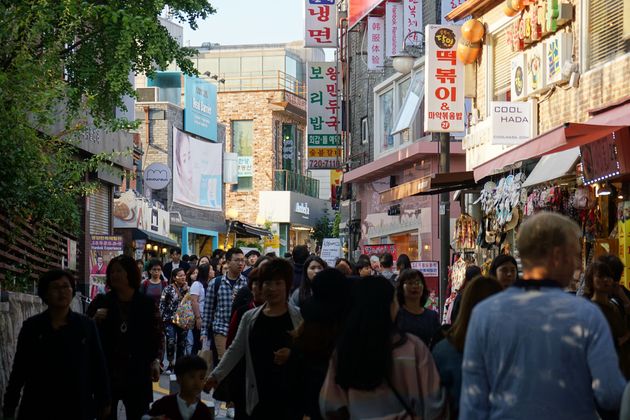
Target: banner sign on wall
x=197, y=167
x=380, y=250
x=412, y=20
x=394, y=27
x=444, y=81
x=511, y=122
x=200, y=113
x=131, y=211
x=102, y=249
x=322, y=115
x=321, y=24
x=376, y=43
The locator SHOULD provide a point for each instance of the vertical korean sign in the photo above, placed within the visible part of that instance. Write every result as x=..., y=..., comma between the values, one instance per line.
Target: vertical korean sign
x=394, y=27
x=412, y=10
x=321, y=24
x=376, y=43
x=444, y=81
x=323, y=120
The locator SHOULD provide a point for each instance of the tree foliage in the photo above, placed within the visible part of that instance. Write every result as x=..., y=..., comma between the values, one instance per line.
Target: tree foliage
x=76, y=55
x=323, y=229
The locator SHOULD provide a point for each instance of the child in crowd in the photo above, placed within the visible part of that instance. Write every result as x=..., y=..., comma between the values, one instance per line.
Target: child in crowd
x=186, y=404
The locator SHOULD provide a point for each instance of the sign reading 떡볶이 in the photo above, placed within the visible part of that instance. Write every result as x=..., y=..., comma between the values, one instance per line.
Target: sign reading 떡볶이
x=444, y=81
x=322, y=116
x=376, y=43
x=321, y=24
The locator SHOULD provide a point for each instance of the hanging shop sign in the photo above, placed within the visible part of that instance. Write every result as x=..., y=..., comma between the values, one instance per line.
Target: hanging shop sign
x=444, y=80
x=518, y=79
x=200, y=113
x=322, y=114
x=131, y=211
x=431, y=272
x=320, y=24
x=536, y=81
x=558, y=52
x=412, y=20
x=394, y=26
x=157, y=176
x=600, y=160
x=511, y=122
x=376, y=43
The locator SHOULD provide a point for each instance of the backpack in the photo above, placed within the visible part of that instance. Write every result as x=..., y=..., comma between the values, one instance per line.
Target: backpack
x=184, y=316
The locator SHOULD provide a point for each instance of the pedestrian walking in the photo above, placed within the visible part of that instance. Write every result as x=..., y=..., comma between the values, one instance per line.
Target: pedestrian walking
x=130, y=328
x=620, y=295
x=175, y=262
x=375, y=263
x=59, y=367
x=472, y=271
x=191, y=374
x=245, y=295
x=143, y=273
x=599, y=285
x=198, y=300
x=376, y=371
x=155, y=284
x=403, y=263
x=364, y=268
x=413, y=317
x=449, y=353
x=250, y=261
x=505, y=269
x=387, y=268
x=299, y=255
x=311, y=267
x=324, y=315
x=345, y=266
x=264, y=339
x=172, y=295
x=204, y=260
x=219, y=297
x=534, y=351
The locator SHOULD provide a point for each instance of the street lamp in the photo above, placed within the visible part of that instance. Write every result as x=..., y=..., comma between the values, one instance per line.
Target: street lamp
x=404, y=60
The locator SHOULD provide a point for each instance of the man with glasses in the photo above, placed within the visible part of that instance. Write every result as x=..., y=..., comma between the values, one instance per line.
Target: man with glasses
x=219, y=297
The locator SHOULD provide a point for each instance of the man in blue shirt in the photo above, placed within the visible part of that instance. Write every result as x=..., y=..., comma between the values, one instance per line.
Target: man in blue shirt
x=533, y=351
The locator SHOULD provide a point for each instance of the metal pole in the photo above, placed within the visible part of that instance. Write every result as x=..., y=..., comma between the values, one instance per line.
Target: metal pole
x=445, y=216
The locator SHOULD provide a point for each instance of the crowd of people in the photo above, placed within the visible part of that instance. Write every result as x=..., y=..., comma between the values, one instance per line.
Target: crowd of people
x=292, y=338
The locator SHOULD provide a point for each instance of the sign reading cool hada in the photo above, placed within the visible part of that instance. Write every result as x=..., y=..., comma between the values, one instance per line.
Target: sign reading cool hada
x=511, y=122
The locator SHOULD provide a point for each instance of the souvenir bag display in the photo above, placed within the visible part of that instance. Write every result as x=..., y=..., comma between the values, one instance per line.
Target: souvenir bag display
x=184, y=316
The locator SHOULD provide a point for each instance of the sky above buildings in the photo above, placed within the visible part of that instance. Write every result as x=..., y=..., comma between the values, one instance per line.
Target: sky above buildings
x=249, y=22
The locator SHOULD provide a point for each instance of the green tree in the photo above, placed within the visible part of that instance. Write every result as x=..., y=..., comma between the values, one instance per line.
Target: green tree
x=70, y=60
x=322, y=230
x=335, y=227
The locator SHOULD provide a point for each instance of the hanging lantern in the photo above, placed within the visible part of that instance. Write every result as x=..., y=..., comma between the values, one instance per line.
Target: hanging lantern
x=473, y=30
x=509, y=9
x=518, y=5
x=467, y=52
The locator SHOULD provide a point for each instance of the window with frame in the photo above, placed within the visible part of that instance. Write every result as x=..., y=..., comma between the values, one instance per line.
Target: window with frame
x=243, y=145
x=386, y=112
x=608, y=30
x=502, y=65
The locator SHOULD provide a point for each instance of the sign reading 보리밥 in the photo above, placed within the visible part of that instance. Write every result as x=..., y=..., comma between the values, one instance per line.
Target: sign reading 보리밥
x=443, y=81
x=323, y=116
x=321, y=24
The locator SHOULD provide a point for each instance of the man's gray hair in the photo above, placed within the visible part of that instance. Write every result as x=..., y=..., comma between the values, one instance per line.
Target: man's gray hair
x=543, y=232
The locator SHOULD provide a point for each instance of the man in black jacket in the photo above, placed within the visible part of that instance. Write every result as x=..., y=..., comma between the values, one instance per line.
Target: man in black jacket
x=176, y=262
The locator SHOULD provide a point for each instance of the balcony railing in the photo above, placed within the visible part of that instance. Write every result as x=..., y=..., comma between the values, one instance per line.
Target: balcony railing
x=272, y=80
x=291, y=181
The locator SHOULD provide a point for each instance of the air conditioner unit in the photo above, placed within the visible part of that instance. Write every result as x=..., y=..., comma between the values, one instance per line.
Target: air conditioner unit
x=355, y=210
x=148, y=94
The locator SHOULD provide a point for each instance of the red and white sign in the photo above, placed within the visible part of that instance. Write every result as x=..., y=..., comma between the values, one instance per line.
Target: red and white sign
x=376, y=43
x=394, y=27
x=380, y=250
x=320, y=24
x=431, y=272
x=412, y=11
x=443, y=81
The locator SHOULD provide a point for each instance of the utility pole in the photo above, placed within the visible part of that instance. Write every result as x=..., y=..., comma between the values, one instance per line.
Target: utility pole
x=445, y=217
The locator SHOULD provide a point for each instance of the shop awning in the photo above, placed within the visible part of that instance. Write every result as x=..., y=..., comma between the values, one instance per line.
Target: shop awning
x=244, y=230
x=429, y=185
x=358, y=9
x=151, y=236
x=400, y=159
x=567, y=136
x=554, y=166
